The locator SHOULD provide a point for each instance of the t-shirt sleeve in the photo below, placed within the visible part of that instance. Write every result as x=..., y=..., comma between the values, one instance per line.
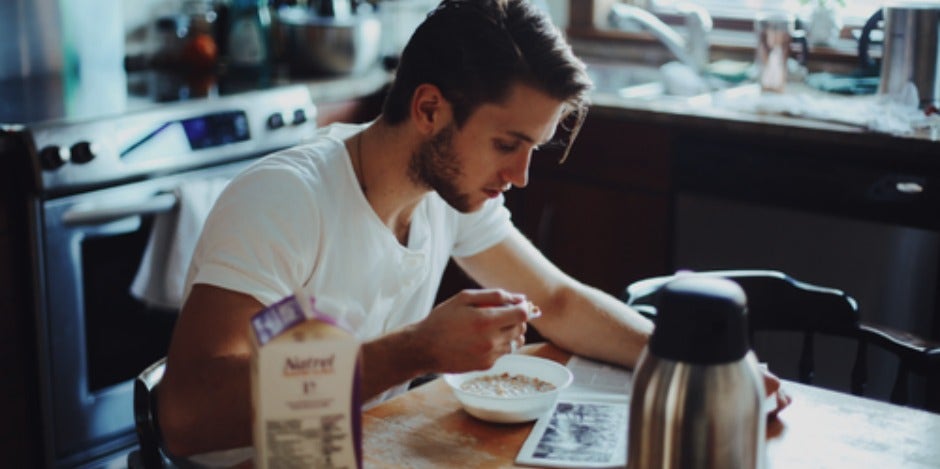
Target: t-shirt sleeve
x=482, y=229
x=261, y=236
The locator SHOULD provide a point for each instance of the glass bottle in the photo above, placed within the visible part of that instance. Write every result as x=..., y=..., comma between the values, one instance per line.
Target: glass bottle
x=248, y=45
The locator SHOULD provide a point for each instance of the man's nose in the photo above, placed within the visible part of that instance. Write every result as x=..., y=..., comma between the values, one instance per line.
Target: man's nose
x=517, y=173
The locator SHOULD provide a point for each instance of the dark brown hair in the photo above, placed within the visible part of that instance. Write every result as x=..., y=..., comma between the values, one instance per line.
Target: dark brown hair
x=474, y=51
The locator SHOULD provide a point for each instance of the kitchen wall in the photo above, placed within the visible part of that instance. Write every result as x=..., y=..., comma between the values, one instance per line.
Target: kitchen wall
x=43, y=42
x=39, y=41
x=32, y=38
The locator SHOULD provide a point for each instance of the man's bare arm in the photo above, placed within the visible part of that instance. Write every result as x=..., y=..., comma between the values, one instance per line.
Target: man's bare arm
x=205, y=399
x=205, y=395
x=576, y=317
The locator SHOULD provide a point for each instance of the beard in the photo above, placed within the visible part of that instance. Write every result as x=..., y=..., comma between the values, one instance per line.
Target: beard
x=435, y=166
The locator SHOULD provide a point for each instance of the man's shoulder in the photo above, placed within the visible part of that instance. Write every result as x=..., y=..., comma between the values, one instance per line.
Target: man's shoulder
x=324, y=145
x=322, y=154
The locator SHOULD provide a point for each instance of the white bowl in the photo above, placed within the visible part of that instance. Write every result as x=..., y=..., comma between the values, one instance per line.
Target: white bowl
x=512, y=409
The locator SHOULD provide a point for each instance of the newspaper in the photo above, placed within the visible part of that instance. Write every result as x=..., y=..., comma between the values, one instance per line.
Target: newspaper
x=587, y=428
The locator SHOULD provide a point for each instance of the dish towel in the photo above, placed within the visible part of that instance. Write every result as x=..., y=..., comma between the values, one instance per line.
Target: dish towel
x=162, y=271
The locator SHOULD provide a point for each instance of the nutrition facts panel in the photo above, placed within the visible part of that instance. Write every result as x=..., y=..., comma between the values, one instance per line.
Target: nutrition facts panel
x=312, y=442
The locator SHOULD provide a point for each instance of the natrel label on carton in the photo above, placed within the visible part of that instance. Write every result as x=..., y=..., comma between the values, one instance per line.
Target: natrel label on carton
x=304, y=388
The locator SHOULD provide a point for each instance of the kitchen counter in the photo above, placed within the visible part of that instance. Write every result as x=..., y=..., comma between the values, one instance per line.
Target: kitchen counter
x=691, y=112
x=350, y=98
x=750, y=112
x=757, y=147
x=344, y=88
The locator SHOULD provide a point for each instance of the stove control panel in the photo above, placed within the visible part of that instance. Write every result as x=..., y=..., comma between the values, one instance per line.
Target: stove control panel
x=171, y=138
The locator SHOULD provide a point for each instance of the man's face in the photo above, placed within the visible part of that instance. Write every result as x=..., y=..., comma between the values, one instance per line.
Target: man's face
x=490, y=153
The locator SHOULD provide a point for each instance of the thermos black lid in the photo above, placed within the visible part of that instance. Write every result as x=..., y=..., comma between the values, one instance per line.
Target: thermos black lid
x=700, y=320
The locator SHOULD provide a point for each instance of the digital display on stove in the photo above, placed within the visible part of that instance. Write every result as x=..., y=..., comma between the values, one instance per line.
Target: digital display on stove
x=216, y=129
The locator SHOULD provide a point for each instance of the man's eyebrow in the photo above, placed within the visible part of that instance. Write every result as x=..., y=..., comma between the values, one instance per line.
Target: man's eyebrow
x=525, y=137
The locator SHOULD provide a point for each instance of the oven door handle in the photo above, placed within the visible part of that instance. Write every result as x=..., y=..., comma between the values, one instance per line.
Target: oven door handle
x=79, y=215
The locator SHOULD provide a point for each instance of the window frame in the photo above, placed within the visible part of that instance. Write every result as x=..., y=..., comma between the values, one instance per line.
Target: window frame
x=733, y=17
x=731, y=34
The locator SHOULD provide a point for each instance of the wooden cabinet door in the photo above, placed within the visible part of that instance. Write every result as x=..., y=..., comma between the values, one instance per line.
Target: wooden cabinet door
x=604, y=236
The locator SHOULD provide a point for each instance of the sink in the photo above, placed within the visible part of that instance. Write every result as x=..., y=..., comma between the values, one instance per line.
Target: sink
x=632, y=81
x=629, y=81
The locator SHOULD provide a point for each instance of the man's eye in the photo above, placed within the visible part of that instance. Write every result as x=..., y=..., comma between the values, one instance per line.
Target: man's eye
x=506, y=147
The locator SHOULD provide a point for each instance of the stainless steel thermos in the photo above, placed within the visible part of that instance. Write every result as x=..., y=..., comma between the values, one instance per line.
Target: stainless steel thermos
x=697, y=390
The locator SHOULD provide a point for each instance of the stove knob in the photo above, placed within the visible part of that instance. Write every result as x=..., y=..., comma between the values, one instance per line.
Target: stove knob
x=82, y=152
x=300, y=116
x=53, y=157
x=275, y=121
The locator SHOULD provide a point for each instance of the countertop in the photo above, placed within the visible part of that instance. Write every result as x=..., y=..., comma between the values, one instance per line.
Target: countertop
x=742, y=110
x=343, y=88
x=789, y=115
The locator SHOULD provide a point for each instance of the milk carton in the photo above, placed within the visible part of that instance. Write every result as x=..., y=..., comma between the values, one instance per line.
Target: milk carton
x=304, y=388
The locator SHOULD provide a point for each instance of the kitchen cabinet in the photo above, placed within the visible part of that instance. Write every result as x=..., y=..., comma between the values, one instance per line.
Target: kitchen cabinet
x=602, y=216
x=849, y=178
x=603, y=236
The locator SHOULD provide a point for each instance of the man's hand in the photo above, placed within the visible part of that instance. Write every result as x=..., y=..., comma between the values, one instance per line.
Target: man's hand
x=472, y=329
x=773, y=388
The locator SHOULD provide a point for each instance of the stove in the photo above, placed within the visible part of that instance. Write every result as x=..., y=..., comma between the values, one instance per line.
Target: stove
x=98, y=162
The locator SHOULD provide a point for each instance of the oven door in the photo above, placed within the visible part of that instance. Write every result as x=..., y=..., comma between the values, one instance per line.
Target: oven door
x=94, y=336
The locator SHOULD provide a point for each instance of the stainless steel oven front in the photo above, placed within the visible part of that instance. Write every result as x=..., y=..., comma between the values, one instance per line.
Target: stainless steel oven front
x=91, y=221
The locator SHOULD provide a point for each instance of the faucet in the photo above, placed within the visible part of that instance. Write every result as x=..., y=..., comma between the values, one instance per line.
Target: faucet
x=692, y=52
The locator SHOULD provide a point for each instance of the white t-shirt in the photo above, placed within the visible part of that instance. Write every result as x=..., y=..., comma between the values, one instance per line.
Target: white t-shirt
x=298, y=218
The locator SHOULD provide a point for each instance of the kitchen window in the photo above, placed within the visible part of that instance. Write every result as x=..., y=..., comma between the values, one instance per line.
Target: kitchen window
x=854, y=12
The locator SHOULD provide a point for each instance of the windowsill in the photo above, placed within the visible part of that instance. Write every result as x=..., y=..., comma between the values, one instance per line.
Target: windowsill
x=841, y=57
x=732, y=38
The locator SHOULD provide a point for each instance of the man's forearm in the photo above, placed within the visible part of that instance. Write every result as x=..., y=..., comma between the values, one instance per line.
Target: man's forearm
x=391, y=360
x=594, y=324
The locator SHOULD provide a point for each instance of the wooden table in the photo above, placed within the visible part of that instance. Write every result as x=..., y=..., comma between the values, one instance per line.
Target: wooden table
x=426, y=428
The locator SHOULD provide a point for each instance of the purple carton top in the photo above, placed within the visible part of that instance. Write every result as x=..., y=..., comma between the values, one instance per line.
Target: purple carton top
x=285, y=314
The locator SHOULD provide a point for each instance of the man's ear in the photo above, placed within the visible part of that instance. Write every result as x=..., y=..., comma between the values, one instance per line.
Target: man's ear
x=430, y=111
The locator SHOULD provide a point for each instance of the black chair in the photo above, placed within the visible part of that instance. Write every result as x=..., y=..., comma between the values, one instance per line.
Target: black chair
x=778, y=302
x=150, y=454
x=915, y=355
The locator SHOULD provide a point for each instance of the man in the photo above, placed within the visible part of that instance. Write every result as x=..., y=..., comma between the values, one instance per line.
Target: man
x=368, y=216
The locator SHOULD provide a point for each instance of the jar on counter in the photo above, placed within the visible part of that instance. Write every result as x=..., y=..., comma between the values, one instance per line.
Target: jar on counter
x=200, y=52
x=167, y=42
x=248, y=37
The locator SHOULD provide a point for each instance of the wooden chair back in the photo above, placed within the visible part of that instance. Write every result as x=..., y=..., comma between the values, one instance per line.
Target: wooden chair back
x=778, y=302
x=149, y=455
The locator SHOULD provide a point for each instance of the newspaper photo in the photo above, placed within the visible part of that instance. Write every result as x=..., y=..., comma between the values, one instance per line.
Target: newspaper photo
x=587, y=428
